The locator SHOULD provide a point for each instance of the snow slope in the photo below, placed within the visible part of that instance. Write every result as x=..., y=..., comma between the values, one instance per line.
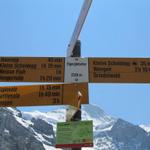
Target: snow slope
x=146, y=127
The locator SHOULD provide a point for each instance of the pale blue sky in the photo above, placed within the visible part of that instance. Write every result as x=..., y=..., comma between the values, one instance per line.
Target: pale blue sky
x=114, y=28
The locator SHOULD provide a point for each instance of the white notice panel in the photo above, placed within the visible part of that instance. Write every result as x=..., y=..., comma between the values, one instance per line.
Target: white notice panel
x=76, y=70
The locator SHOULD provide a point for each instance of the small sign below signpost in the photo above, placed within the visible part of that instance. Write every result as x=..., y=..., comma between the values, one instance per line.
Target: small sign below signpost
x=74, y=134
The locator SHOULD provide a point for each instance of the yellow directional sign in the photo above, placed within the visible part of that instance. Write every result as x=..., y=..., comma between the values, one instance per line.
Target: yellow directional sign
x=31, y=69
x=48, y=94
x=74, y=70
x=119, y=70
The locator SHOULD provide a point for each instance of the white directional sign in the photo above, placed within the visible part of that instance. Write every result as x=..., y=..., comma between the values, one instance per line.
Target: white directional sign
x=76, y=70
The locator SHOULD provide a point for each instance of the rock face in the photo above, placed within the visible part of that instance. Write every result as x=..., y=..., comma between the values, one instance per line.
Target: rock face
x=128, y=136
x=45, y=129
x=17, y=134
x=123, y=136
x=116, y=134
x=36, y=130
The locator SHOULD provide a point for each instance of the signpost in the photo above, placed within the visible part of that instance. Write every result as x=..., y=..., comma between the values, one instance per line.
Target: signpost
x=75, y=134
x=47, y=94
x=73, y=70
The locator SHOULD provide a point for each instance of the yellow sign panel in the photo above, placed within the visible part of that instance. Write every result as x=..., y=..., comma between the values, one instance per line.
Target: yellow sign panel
x=52, y=69
x=31, y=69
x=119, y=70
x=48, y=94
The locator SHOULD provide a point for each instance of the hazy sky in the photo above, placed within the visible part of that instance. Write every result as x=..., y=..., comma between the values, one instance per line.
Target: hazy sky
x=114, y=28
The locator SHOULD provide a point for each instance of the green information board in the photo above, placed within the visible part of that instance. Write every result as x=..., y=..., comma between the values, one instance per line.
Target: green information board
x=75, y=134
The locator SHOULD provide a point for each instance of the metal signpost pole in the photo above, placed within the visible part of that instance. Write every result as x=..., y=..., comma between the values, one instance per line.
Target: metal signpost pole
x=74, y=47
x=76, y=53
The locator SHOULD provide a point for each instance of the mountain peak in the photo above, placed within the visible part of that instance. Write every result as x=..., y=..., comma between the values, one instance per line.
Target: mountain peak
x=11, y=110
x=95, y=113
x=146, y=128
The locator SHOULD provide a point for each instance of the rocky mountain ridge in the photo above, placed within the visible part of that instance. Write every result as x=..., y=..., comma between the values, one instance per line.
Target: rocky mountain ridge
x=36, y=130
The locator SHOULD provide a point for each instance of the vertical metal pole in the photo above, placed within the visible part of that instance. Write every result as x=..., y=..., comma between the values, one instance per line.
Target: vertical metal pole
x=77, y=53
x=77, y=117
x=77, y=49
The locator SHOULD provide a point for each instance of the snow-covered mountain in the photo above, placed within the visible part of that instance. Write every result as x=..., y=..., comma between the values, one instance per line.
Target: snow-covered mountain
x=36, y=130
x=17, y=133
x=89, y=112
x=146, y=127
